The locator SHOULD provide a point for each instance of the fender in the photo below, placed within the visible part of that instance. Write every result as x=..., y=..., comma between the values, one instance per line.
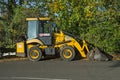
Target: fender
x=34, y=41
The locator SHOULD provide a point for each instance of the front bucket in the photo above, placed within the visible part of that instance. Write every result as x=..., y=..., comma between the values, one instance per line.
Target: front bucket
x=97, y=54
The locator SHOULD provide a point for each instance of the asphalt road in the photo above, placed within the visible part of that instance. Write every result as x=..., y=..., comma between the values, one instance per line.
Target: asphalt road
x=60, y=70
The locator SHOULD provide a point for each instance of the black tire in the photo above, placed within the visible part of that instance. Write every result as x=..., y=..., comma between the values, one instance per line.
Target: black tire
x=67, y=53
x=34, y=54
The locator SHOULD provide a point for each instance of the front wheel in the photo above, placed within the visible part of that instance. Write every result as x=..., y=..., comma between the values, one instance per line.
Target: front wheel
x=34, y=54
x=67, y=53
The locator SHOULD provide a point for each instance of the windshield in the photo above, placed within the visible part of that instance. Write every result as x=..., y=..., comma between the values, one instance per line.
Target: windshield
x=45, y=26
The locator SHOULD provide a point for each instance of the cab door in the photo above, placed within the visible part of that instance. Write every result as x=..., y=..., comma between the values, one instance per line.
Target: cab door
x=45, y=32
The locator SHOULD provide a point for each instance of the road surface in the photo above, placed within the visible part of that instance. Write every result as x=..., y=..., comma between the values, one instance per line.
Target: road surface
x=60, y=70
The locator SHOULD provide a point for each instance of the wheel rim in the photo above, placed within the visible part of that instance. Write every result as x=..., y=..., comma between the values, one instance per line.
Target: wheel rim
x=34, y=54
x=67, y=53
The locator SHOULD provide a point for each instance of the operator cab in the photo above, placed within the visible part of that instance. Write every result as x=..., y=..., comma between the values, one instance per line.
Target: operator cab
x=42, y=29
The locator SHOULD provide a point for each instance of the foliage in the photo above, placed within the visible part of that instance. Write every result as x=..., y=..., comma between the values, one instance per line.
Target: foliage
x=96, y=21
x=12, y=22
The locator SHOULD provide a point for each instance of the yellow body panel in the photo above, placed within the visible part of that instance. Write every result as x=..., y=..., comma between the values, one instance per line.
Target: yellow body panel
x=34, y=41
x=59, y=37
x=38, y=19
x=79, y=48
x=31, y=45
x=20, y=47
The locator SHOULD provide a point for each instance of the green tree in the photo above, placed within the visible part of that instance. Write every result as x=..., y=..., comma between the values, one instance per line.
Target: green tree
x=7, y=23
x=96, y=21
x=12, y=20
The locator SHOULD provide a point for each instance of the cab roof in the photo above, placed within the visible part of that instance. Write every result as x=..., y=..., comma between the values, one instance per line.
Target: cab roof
x=30, y=19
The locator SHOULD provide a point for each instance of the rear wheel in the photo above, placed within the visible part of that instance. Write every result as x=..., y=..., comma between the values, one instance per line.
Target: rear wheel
x=34, y=54
x=67, y=53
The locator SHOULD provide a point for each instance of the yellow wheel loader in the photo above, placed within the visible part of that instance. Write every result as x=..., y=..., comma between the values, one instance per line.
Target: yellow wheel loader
x=44, y=39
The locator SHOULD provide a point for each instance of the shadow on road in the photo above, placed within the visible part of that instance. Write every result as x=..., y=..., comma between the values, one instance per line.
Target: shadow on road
x=116, y=64
x=50, y=58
